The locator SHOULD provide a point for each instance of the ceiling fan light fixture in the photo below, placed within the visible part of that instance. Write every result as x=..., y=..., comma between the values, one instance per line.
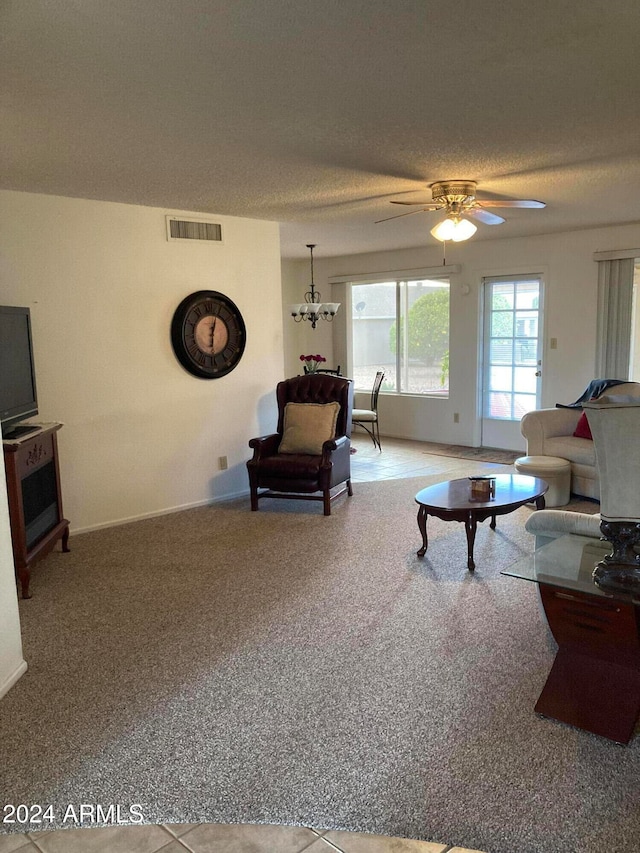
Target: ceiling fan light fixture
x=453, y=228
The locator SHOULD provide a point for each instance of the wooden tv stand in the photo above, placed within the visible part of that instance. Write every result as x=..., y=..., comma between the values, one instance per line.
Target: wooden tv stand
x=35, y=499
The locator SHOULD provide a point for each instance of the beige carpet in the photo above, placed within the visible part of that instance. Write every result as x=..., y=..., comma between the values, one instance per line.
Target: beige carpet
x=219, y=665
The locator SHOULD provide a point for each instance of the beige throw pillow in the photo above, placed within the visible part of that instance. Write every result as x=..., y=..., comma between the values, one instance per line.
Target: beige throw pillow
x=307, y=426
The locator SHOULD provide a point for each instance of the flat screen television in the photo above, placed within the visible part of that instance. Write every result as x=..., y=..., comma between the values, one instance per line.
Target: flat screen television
x=18, y=397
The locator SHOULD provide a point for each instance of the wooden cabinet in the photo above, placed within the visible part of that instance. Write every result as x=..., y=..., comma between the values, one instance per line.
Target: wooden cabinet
x=35, y=499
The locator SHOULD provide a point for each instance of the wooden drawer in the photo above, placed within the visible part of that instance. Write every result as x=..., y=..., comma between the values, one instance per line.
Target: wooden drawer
x=34, y=454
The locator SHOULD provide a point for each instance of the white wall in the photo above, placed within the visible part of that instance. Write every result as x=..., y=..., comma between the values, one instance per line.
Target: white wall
x=570, y=273
x=141, y=435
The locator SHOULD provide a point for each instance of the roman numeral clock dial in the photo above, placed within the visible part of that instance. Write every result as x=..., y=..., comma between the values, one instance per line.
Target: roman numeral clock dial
x=208, y=334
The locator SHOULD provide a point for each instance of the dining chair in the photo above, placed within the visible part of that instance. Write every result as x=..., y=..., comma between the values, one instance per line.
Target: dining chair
x=368, y=418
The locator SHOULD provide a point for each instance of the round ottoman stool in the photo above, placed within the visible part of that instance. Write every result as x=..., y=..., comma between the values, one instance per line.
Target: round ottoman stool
x=553, y=470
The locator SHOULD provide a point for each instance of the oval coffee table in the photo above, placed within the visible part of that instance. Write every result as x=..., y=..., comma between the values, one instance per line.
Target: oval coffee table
x=451, y=501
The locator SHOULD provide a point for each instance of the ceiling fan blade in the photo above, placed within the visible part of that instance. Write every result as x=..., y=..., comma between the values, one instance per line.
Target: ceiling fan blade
x=510, y=202
x=422, y=210
x=426, y=205
x=485, y=216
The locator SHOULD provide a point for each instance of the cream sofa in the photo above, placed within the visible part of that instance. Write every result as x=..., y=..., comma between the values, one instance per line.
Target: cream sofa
x=549, y=432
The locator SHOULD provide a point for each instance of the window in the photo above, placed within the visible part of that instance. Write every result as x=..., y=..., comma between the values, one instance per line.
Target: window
x=401, y=327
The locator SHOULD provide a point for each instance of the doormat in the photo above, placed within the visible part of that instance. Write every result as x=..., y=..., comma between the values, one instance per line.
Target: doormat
x=481, y=454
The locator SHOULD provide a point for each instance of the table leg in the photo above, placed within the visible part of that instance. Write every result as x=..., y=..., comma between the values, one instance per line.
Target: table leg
x=470, y=526
x=493, y=522
x=422, y=527
x=24, y=575
x=540, y=502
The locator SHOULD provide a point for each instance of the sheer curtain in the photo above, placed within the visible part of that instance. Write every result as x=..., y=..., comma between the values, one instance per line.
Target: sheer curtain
x=615, y=301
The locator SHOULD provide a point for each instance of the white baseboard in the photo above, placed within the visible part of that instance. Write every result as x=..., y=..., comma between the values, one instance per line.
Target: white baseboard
x=116, y=522
x=8, y=683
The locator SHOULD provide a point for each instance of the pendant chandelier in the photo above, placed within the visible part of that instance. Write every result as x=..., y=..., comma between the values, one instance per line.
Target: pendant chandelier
x=313, y=309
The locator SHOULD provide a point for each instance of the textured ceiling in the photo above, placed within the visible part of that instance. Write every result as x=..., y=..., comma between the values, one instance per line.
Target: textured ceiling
x=316, y=113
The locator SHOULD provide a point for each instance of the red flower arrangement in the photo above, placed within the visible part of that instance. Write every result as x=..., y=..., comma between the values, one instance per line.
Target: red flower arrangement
x=312, y=362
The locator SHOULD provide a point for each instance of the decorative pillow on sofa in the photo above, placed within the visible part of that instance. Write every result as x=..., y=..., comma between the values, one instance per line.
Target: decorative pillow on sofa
x=582, y=429
x=307, y=426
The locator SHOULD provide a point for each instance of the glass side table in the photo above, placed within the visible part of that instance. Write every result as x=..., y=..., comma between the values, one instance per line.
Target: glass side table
x=594, y=683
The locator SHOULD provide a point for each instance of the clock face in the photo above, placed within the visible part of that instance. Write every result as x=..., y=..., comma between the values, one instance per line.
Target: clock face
x=208, y=334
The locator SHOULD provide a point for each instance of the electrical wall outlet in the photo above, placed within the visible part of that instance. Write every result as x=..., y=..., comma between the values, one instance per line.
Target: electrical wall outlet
x=456, y=417
x=222, y=463
x=553, y=343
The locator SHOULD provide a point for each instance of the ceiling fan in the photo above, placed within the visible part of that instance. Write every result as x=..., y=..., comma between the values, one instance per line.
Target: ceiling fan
x=459, y=200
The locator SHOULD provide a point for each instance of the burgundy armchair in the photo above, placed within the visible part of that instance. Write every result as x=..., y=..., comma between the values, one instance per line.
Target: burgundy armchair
x=305, y=476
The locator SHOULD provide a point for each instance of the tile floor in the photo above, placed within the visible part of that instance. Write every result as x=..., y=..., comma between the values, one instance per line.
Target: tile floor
x=213, y=838
x=401, y=458
x=398, y=458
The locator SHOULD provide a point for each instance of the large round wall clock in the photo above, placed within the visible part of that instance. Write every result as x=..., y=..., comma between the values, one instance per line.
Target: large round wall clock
x=208, y=334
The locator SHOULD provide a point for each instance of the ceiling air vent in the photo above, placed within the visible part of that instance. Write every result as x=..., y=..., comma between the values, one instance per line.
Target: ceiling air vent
x=193, y=229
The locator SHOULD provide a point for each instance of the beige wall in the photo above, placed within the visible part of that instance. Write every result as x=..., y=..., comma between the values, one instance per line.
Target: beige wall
x=141, y=436
x=570, y=273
